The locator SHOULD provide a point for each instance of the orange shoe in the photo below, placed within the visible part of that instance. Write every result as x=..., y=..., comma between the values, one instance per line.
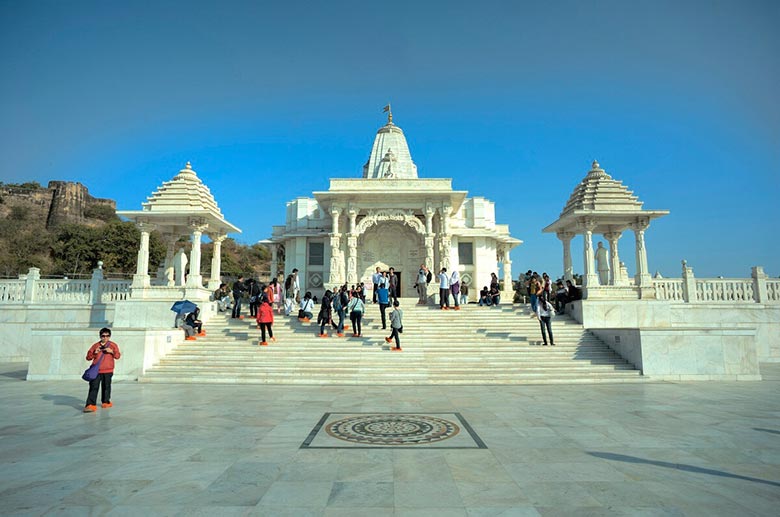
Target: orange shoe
x=107, y=405
x=388, y=340
x=240, y=317
x=201, y=334
x=456, y=308
x=322, y=335
x=263, y=343
x=444, y=308
x=90, y=409
x=396, y=349
x=306, y=320
x=340, y=334
x=346, y=327
x=190, y=338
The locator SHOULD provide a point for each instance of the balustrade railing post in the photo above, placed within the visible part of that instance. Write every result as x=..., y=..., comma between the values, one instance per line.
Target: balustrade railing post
x=759, y=284
x=689, y=283
x=33, y=275
x=94, y=286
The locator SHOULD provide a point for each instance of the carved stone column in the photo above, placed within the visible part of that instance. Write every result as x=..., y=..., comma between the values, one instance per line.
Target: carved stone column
x=195, y=279
x=568, y=270
x=643, y=278
x=141, y=279
x=590, y=279
x=429, y=237
x=352, y=248
x=336, y=273
x=445, y=239
x=614, y=258
x=508, y=293
x=216, y=262
x=274, y=260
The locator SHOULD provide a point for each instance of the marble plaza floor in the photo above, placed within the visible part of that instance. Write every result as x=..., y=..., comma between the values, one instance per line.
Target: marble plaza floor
x=626, y=449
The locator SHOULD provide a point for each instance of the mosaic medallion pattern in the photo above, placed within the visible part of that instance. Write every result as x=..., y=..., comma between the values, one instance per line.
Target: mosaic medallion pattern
x=393, y=429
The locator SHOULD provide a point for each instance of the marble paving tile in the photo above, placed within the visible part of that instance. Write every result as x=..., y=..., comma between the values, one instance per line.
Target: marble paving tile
x=430, y=494
x=519, y=511
x=361, y=494
x=491, y=494
x=303, y=494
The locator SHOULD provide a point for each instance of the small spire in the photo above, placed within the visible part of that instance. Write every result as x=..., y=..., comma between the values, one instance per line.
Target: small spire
x=389, y=112
x=595, y=164
x=188, y=166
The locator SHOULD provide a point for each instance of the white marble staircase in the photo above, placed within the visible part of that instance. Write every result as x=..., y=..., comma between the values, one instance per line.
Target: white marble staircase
x=476, y=345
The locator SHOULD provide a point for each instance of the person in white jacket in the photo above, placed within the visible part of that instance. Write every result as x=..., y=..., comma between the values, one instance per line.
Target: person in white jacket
x=444, y=289
x=545, y=311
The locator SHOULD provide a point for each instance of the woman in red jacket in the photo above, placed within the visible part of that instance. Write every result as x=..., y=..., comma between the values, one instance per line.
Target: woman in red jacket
x=106, y=352
x=265, y=320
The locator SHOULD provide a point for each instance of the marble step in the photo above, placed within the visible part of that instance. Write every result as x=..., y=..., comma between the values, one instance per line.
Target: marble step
x=471, y=346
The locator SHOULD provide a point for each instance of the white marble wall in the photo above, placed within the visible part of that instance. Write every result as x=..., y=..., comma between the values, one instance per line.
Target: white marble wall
x=687, y=353
x=60, y=354
x=645, y=314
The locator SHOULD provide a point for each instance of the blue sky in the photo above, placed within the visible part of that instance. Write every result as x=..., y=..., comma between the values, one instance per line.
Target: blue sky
x=512, y=100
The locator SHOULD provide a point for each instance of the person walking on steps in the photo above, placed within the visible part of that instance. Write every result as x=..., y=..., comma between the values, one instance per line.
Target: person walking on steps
x=238, y=293
x=383, y=296
x=339, y=305
x=396, y=326
x=265, y=320
x=356, y=307
x=422, y=285
x=376, y=278
x=444, y=289
x=325, y=316
x=545, y=311
x=392, y=284
x=105, y=352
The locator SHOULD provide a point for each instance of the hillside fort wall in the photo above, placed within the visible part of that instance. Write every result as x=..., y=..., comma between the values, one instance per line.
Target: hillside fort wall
x=60, y=202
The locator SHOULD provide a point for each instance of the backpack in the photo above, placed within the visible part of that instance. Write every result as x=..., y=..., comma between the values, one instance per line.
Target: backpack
x=337, y=302
x=288, y=283
x=429, y=277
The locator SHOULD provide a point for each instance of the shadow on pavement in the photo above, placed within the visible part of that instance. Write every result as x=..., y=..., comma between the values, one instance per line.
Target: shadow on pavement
x=65, y=400
x=678, y=466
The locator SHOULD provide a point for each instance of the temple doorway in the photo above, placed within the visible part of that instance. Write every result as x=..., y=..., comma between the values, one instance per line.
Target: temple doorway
x=390, y=244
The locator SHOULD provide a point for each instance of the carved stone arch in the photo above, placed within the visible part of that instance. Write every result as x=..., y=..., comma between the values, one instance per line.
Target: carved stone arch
x=405, y=217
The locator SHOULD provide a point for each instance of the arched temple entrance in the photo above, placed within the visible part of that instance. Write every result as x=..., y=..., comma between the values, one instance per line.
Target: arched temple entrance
x=391, y=244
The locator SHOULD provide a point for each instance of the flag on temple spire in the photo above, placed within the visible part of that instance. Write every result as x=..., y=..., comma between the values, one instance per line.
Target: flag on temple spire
x=386, y=109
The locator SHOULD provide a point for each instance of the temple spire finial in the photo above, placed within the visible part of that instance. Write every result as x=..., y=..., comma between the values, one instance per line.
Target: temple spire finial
x=389, y=112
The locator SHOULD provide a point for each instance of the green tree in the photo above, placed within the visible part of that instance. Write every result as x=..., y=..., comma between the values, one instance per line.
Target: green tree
x=101, y=212
x=75, y=249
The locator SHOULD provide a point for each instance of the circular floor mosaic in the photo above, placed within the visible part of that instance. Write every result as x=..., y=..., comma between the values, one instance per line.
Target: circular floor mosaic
x=392, y=429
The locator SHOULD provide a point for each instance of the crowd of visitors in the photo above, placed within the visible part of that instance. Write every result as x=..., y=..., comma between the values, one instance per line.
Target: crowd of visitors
x=346, y=301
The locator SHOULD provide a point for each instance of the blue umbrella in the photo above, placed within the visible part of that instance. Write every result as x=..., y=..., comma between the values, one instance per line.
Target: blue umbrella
x=183, y=306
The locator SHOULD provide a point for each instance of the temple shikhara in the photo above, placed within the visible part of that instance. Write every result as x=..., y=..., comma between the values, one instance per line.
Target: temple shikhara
x=391, y=218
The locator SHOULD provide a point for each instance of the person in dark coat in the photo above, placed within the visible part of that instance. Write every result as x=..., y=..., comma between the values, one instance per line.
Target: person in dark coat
x=325, y=316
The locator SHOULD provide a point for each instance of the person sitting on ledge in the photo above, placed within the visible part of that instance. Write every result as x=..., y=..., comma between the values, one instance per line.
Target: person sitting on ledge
x=484, y=297
x=307, y=306
x=195, y=323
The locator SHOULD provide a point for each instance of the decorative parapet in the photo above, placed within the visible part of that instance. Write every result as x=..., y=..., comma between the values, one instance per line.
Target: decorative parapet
x=688, y=289
x=669, y=289
x=31, y=289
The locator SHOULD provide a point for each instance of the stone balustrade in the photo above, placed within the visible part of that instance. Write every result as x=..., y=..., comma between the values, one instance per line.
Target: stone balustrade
x=32, y=289
x=688, y=289
x=12, y=291
x=669, y=289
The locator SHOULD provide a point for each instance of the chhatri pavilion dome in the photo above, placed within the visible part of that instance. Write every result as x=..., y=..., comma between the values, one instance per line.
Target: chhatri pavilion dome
x=390, y=218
